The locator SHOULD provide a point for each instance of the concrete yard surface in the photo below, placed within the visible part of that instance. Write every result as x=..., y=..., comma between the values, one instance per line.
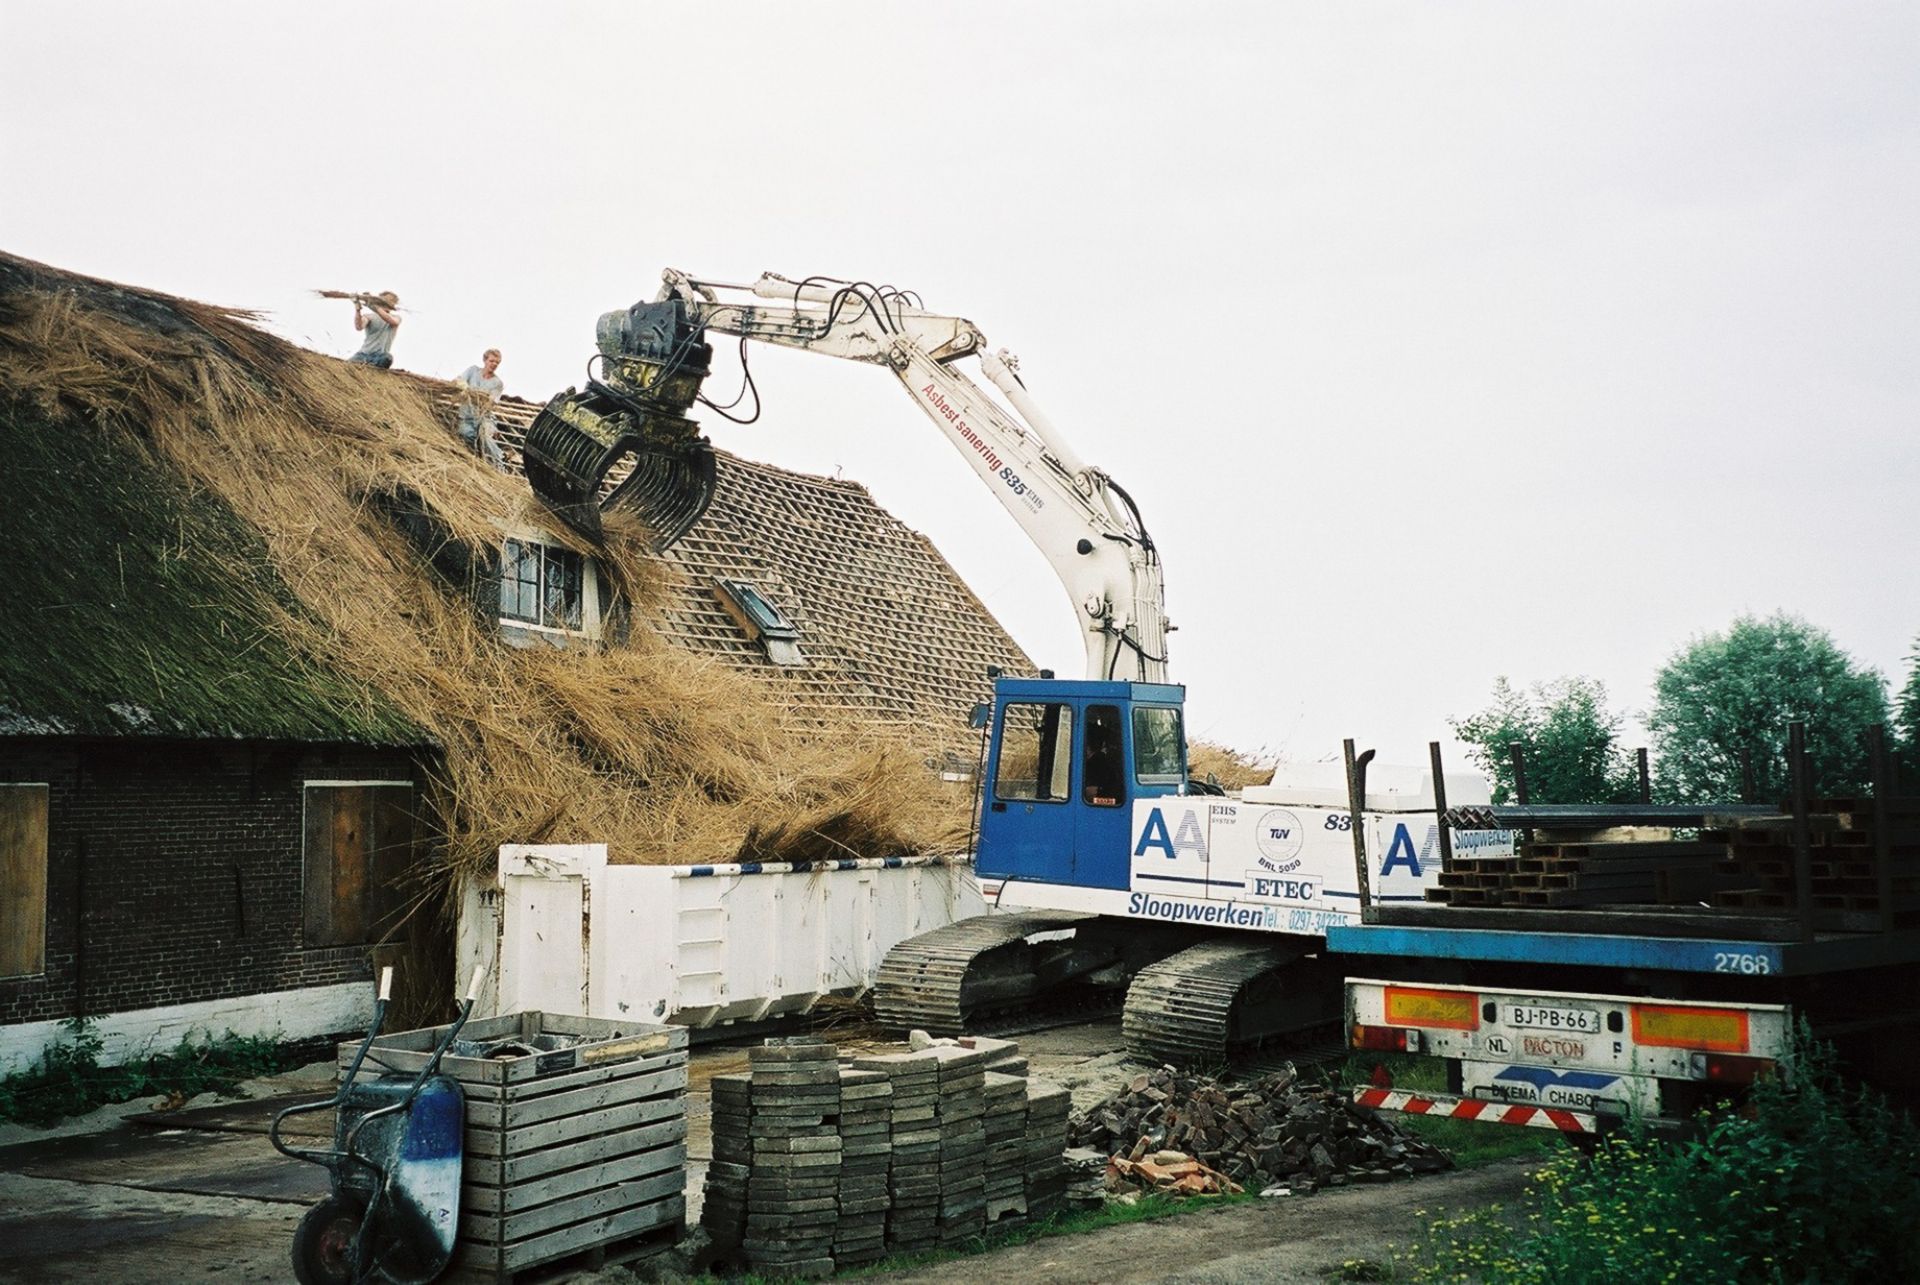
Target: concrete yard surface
x=1282, y=1241
x=199, y=1194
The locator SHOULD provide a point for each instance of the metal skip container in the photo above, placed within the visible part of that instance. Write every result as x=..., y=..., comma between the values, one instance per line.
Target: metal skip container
x=575, y=1140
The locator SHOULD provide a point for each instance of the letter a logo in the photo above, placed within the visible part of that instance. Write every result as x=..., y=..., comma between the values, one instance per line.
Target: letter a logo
x=1400, y=852
x=1154, y=835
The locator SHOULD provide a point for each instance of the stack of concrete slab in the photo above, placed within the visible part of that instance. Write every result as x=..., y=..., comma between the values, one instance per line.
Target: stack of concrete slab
x=913, y=1179
x=866, y=1155
x=1048, y=1106
x=793, y=1183
x=963, y=1141
x=723, y=1210
x=1008, y=1152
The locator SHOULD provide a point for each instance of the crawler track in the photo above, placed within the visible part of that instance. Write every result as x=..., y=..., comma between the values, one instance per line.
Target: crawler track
x=937, y=981
x=1211, y=1001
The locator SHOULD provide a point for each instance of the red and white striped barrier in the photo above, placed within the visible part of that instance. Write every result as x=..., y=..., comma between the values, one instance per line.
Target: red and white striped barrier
x=1478, y=1109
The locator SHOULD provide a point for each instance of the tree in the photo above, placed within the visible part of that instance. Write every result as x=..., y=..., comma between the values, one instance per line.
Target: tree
x=1571, y=738
x=1724, y=693
x=1906, y=724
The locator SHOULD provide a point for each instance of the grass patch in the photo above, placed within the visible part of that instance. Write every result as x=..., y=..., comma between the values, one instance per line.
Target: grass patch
x=70, y=1080
x=1815, y=1181
x=1148, y=1208
x=1471, y=1143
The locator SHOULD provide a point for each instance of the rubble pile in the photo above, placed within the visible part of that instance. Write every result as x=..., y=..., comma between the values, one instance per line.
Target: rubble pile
x=820, y=1165
x=1273, y=1132
x=1174, y=1173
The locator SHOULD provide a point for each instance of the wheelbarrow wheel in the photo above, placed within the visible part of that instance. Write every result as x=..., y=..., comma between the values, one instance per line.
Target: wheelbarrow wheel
x=323, y=1242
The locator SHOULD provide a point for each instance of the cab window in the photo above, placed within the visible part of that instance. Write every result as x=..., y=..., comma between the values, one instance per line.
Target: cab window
x=1103, y=769
x=1036, y=752
x=1159, y=747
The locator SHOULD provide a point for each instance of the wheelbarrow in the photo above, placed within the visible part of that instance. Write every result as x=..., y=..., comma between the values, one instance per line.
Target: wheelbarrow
x=394, y=1168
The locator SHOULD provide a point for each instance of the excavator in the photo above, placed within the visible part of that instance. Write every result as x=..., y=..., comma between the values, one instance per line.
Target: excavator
x=1110, y=871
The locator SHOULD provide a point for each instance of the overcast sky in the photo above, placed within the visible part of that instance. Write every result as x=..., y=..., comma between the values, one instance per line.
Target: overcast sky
x=1436, y=341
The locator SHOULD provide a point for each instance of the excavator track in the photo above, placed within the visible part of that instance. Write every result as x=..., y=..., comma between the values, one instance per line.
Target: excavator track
x=1213, y=1000
x=938, y=980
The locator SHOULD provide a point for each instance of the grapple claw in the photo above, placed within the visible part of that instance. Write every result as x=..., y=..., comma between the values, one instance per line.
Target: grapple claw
x=655, y=363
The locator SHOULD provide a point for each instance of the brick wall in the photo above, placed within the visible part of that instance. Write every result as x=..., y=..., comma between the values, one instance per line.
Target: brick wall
x=174, y=871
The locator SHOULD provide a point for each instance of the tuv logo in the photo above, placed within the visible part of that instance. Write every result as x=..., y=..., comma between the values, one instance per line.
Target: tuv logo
x=1279, y=835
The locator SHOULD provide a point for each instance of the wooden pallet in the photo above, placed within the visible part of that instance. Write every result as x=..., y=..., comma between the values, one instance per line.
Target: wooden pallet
x=575, y=1142
x=612, y=1253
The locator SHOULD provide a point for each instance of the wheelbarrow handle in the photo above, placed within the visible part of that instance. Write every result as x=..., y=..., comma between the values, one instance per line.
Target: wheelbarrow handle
x=346, y=1081
x=427, y=1072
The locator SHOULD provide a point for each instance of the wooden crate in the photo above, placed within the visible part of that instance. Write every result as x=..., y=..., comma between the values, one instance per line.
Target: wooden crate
x=574, y=1145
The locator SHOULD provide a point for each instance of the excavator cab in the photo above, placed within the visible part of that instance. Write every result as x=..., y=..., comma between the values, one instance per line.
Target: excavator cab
x=625, y=442
x=1066, y=761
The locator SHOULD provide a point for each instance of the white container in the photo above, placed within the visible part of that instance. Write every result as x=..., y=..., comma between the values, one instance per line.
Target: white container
x=564, y=931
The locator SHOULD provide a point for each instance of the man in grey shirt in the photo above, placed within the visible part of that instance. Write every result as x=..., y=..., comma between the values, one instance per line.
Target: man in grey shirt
x=379, y=323
x=480, y=391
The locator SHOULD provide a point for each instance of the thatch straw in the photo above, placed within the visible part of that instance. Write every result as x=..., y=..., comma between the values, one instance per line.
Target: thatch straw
x=1229, y=768
x=665, y=756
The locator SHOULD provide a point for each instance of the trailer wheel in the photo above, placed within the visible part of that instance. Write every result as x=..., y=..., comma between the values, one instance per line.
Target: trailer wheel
x=323, y=1242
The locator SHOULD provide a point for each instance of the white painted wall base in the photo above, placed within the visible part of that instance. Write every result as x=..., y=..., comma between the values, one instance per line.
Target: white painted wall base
x=287, y=1015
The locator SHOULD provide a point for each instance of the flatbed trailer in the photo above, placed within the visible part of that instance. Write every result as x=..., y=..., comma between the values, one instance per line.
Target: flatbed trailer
x=1578, y=1029
x=1577, y=1019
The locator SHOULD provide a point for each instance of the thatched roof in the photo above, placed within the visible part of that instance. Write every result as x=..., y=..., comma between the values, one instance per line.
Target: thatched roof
x=888, y=630
x=203, y=518
x=134, y=600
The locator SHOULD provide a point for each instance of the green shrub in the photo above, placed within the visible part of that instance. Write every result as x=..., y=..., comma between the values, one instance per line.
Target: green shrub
x=70, y=1080
x=1809, y=1182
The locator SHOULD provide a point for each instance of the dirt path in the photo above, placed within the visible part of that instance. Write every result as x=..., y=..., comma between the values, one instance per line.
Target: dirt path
x=1274, y=1242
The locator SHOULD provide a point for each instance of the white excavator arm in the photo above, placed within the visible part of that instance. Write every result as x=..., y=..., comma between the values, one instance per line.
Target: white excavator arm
x=1082, y=522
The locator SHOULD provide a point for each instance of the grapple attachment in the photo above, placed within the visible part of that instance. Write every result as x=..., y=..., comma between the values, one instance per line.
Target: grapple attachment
x=655, y=362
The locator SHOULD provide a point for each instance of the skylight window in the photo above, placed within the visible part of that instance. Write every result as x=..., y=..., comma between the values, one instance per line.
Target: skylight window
x=763, y=622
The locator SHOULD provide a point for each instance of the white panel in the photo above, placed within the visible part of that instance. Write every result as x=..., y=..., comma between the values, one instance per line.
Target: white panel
x=286, y=1015
x=543, y=926
x=741, y=945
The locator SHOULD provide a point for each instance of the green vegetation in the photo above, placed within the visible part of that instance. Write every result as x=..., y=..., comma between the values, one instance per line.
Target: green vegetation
x=1572, y=740
x=1724, y=693
x=1814, y=1181
x=1471, y=1143
x=70, y=1080
x=1906, y=721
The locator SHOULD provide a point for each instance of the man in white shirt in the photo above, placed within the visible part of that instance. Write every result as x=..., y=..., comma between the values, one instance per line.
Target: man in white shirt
x=480, y=390
x=379, y=323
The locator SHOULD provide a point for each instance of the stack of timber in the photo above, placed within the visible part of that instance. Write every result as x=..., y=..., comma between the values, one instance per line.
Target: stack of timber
x=1662, y=872
x=1850, y=888
x=575, y=1137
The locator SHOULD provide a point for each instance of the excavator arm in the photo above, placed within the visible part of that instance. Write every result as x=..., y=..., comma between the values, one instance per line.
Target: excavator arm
x=655, y=356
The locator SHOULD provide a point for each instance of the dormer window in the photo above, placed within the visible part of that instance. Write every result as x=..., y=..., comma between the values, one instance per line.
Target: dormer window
x=548, y=594
x=754, y=612
x=542, y=585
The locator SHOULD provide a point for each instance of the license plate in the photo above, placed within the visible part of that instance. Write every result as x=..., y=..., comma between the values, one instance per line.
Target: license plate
x=1546, y=1017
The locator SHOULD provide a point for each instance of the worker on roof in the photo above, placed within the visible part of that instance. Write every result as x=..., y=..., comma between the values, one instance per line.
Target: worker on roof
x=379, y=321
x=480, y=390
